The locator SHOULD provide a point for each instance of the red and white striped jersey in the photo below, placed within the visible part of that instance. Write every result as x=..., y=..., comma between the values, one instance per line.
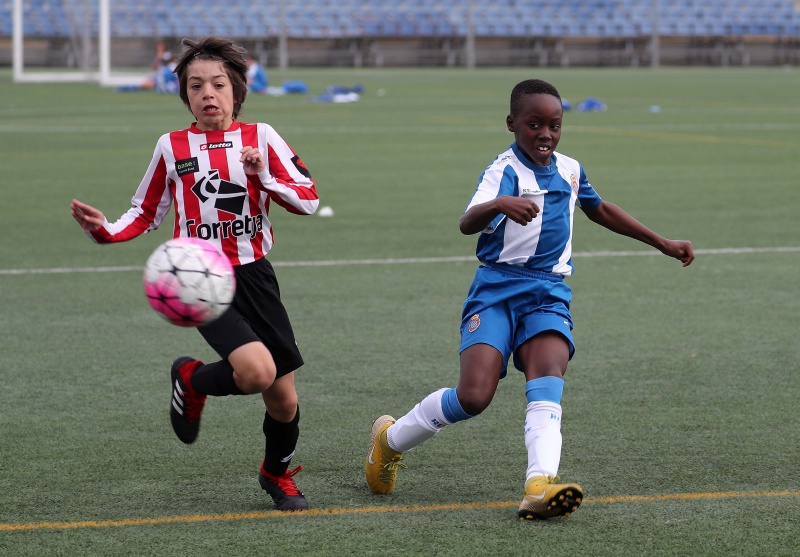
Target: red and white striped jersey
x=200, y=174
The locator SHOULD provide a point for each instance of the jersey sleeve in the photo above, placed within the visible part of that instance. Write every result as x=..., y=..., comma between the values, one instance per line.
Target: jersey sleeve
x=588, y=198
x=497, y=180
x=149, y=205
x=286, y=178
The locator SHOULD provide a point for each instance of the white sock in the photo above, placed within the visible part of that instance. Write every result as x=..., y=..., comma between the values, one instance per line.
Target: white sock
x=420, y=424
x=543, y=438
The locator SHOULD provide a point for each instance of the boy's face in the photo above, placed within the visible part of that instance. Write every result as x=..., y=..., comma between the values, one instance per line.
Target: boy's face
x=537, y=126
x=210, y=94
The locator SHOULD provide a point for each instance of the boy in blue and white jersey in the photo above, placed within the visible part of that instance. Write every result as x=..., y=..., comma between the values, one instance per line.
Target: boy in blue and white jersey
x=518, y=303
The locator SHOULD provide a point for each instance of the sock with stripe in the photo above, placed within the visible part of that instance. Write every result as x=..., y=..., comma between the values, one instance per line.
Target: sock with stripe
x=281, y=442
x=543, y=426
x=425, y=420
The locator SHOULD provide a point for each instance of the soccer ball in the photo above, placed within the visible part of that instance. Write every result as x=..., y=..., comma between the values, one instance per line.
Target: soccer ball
x=189, y=281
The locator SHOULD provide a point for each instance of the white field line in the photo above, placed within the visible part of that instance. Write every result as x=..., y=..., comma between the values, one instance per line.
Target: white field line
x=499, y=128
x=401, y=261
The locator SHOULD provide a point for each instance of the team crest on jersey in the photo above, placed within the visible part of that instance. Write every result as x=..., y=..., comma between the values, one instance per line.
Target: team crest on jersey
x=474, y=323
x=186, y=166
x=226, y=196
x=573, y=181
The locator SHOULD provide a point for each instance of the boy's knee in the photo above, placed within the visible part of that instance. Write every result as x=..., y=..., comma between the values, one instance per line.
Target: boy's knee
x=255, y=376
x=473, y=401
x=283, y=410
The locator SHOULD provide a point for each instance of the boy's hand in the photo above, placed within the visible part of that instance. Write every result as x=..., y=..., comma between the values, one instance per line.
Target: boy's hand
x=519, y=209
x=679, y=249
x=252, y=161
x=87, y=216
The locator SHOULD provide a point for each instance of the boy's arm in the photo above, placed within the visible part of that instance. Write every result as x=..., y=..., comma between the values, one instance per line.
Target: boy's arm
x=282, y=174
x=149, y=204
x=615, y=219
x=519, y=209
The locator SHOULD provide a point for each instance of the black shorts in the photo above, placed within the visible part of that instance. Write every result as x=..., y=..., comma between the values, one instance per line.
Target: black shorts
x=256, y=315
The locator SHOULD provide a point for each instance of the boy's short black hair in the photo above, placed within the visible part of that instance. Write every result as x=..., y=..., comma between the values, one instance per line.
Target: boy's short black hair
x=232, y=56
x=530, y=87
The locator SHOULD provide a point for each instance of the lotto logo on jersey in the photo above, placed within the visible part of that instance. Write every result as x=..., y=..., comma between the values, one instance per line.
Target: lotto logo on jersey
x=218, y=145
x=226, y=196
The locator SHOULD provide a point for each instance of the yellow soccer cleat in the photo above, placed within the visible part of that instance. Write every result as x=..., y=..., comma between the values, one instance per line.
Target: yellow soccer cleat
x=544, y=498
x=382, y=461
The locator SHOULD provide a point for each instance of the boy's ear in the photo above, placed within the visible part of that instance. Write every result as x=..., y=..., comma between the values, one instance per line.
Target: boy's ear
x=510, y=123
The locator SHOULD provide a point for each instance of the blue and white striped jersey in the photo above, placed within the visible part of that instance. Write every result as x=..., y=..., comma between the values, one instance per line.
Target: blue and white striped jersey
x=545, y=244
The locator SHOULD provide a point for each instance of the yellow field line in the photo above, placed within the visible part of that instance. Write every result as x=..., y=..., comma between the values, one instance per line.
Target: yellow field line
x=374, y=510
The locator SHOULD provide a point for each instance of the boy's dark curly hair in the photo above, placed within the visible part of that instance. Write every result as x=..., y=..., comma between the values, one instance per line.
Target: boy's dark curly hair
x=530, y=87
x=232, y=56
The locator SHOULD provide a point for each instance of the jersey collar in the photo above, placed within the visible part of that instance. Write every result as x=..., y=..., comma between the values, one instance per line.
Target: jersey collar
x=233, y=127
x=535, y=167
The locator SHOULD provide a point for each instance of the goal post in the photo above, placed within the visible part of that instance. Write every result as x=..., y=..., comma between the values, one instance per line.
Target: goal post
x=95, y=65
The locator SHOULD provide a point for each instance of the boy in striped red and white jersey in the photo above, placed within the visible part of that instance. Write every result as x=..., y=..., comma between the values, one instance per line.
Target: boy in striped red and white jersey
x=221, y=176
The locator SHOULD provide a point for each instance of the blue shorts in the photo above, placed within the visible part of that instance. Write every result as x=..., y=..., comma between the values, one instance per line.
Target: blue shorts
x=508, y=305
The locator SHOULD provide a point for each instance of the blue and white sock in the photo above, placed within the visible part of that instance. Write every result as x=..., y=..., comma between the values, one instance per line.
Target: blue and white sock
x=425, y=420
x=543, y=426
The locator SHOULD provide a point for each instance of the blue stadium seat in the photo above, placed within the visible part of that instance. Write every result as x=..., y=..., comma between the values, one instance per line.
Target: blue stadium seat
x=332, y=18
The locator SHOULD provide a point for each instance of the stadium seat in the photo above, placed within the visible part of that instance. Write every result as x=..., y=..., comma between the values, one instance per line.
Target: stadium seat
x=339, y=18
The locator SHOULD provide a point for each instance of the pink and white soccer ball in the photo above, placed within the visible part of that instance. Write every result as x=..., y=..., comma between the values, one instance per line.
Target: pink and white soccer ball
x=189, y=281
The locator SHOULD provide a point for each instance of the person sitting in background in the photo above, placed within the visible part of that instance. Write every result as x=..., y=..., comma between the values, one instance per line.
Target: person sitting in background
x=165, y=80
x=256, y=76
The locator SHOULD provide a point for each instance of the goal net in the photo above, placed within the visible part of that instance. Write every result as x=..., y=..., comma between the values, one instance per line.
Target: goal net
x=70, y=40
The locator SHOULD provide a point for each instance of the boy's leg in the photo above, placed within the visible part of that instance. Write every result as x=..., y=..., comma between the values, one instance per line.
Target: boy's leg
x=249, y=369
x=390, y=438
x=215, y=379
x=234, y=340
x=186, y=404
x=545, y=360
x=260, y=355
x=281, y=431
x=480, y=374
x=486, y=334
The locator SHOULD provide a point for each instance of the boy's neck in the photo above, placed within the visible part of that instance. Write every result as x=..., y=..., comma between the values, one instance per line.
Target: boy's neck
x=533, y=162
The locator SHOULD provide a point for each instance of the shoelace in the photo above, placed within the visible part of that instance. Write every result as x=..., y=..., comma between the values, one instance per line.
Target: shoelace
x=389, y=470
x=544, y=480
x=286, y=481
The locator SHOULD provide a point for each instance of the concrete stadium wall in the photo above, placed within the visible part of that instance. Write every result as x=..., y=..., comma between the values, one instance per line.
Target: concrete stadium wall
x=450, y=51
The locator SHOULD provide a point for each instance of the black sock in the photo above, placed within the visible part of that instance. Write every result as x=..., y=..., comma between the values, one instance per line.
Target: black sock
x=215, y=379
x=281, y=443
